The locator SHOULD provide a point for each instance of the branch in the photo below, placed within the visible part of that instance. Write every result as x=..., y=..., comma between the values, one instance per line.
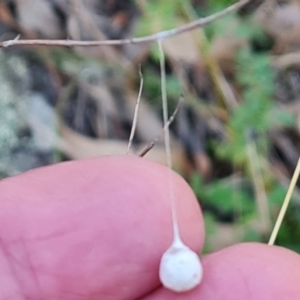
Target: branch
x=140, y=40
x=150, y=145
x=136, y=111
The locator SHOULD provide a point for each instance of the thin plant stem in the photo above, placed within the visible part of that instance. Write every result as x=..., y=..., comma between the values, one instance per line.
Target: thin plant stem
x=176, y=235
x=257, y=178
x=136, y=111
x=285, y=204
x=150, y=145
x=140, y=40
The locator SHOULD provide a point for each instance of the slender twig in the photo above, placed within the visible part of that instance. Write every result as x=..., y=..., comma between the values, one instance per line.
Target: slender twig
x=285, y=204
x=140, y=40
x=149, y=146
x=136, y=110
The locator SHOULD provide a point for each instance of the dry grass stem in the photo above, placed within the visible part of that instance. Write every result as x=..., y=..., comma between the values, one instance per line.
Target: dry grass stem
x=140, y=40
x=285, y=204
x=149, y=146
x=136, y=111
x=261, y=196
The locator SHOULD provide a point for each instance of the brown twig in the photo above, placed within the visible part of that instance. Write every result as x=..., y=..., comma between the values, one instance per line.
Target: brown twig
x=149, y=146
x=136, y=110
x=140, y=40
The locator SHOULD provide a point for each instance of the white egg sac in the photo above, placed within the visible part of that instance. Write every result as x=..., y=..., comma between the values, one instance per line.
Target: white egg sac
x=180, y=269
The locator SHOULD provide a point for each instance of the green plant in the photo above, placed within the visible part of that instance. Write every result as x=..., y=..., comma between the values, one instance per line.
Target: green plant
x=222, y=196
x=254, y=111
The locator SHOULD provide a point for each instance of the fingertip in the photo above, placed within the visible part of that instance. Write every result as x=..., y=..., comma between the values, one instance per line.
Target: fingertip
x=104, y=222
x=245, y=271
x=251, y=271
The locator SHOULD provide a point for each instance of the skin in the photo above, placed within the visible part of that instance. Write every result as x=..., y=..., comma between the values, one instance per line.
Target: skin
x=96, y=229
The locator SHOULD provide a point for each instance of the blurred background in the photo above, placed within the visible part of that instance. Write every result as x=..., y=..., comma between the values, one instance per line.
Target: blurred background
x=235, y=138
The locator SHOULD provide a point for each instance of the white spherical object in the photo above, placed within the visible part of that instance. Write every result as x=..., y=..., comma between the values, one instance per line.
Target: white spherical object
x=180, y=269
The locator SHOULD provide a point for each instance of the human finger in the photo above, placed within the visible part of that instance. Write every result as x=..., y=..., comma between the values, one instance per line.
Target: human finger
x=244, y=271
x=93, y=229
